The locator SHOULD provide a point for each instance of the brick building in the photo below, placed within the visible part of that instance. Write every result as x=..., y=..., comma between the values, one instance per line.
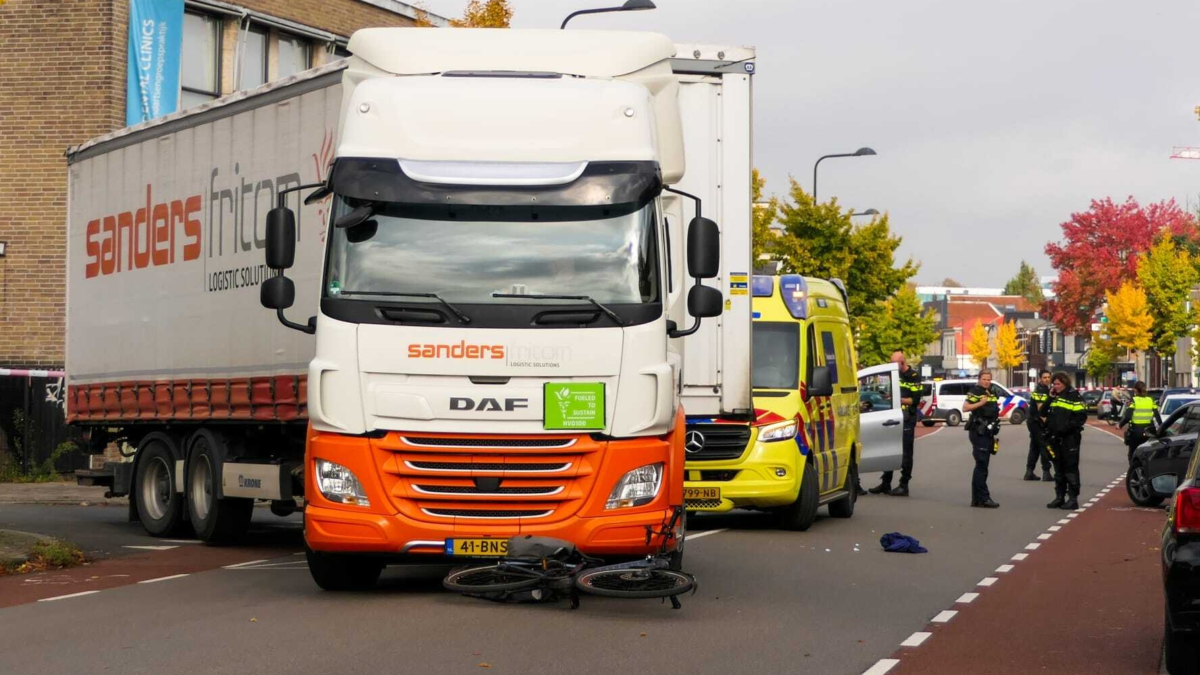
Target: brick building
x=62, y=82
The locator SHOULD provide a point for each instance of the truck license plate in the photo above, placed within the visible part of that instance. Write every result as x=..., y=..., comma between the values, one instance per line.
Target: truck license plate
x=477, y=547
x=706, y=493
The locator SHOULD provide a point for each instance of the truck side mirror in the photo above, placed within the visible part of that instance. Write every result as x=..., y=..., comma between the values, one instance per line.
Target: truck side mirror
x=703, y=248
x=277, y=293
x=821, y=382
x=704, y=302
x=281, y=238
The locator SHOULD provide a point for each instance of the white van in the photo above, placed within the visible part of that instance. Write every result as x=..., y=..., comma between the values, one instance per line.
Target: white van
x=942, y=401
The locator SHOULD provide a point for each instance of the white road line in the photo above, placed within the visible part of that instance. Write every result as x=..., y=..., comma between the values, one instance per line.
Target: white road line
x=1055, y=528
x=154, y=581
x=697, y=535
x=1072, y=515
x=944, y=617
x=915, y=640
x=987, y=581
x=64, y=597
x=935, y=431
x=1004, y=569
x=1081, y=509
x=1044, y=536
x=881, y=666
x=1020, y=556
x=182, y=541
x=1032, y=547
x=243, y=564
x=295, y=565
x=1064, y=521
x=152, y=548
x=967, y=598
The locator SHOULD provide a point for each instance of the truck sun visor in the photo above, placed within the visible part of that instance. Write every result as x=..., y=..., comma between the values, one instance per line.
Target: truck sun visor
x=620, y=185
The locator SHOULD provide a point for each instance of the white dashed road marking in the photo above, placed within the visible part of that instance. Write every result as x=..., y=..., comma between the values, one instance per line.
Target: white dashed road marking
x=1032, y=547
x=1004, y=569
x=881, y=666
x=1044, y=536
x=152, y=548
x=243, y=564
x=697, y=535
x=944, y=617
x=966, y=598
x=915, y=639
x=154, y=581
x=64, y=597
x=1054, y=528
x=987, y=581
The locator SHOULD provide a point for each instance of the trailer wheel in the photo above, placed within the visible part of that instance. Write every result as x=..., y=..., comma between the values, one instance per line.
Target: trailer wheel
x=342, y=572
x=215, y=520
x=159, y=506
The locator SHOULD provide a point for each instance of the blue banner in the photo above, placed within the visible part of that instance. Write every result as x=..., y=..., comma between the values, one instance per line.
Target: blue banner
x=155, y=43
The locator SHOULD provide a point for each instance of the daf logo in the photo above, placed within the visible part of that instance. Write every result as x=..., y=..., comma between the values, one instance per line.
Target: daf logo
x=693, y=442
x=488, y=404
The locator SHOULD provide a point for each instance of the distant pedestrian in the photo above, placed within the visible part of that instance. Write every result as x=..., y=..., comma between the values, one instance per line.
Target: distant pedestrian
x=1039, y=399
x=910, y=399
x=1064, y=424
x=1139, y=417
x=984, y=426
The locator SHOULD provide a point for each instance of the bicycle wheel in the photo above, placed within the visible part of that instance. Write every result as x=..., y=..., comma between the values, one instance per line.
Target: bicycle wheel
x=635, y=583
x=488, y=579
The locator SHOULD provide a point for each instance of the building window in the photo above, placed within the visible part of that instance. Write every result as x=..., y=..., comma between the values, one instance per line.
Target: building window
x=295, y=55
x=254, y=58
x=199, y=75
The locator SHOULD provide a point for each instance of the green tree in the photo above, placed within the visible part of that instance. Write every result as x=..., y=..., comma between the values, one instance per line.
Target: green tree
x=1100, y=358
x=1026, y=284
x=897, y=324
x=764, y=215
x=820, y=240
x=951, y=283
x=1167, y=273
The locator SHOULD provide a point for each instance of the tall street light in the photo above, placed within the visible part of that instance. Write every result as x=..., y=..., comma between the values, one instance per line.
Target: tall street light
x=861, y=152
x=629, y=6
x=868, y=212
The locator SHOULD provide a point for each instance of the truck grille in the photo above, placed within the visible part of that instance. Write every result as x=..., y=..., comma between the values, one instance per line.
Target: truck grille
x=473, y=513
x=702, y=503
x=707, y=442
x=450, y=442
x=488, y=466
x=472, y=490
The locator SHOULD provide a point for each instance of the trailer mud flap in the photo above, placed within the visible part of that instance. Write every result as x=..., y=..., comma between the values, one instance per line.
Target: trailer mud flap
x=256, y=481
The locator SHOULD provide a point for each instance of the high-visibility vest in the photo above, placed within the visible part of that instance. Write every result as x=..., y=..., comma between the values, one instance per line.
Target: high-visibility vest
x=1143, y=411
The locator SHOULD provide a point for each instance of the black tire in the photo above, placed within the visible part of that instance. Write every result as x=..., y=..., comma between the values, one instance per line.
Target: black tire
x=342, y=572
x=488, y=579
x=800, y=514
x=1017, y=417
x=676, y=556
x=1180, y=653
x=634, y=583
x=1137, y=486
x=928, y=423
x=159, y=506
x=953, y=418
x=844, y=507
x=214, y=520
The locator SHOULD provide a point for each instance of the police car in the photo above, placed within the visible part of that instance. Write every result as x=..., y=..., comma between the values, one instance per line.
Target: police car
x=942, y=401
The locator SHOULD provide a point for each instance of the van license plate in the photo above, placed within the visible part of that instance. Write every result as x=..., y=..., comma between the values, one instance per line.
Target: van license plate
x=479, y=548
x=706, y=493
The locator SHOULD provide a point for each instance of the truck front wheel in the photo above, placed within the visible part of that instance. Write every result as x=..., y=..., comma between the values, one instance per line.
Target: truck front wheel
x=342, y=572
x=800, y=514
x=215, y=520
x=159, y=506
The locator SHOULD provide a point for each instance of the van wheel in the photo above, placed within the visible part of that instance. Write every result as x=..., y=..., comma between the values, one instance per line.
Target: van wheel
x=953, y=418
x=800, y=514
x=215, y=520
x=1017, y=417
x=927, y=423
x=342, y=572
x=844, y=507
x=159, y=506
x=676, y=556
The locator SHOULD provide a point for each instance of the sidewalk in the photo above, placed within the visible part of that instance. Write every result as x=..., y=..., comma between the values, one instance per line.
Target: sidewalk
x=61, y=493
x=1088, y=599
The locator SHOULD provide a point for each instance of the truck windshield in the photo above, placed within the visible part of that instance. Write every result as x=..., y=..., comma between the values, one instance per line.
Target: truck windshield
x=484, y=251
x=776, y=353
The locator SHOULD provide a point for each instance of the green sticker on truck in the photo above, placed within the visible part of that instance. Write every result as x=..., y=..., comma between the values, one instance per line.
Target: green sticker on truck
x=574, y=406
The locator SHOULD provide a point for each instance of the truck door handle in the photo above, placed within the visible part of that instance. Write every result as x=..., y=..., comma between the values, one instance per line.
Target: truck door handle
x=891, y=423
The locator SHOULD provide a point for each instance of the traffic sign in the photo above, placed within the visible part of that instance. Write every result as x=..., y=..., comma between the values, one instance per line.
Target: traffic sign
x=1104, y=319
x=1095, y=328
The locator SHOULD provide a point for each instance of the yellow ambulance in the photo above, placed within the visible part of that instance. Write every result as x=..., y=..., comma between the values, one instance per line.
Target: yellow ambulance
x=802, y=450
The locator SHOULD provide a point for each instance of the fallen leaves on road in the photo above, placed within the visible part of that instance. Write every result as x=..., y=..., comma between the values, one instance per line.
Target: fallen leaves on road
x=253, y=620
x=485, y=665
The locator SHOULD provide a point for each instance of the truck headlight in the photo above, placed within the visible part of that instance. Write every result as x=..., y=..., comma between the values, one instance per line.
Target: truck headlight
x=636, y=488
x=781, y=431
x=339, y=484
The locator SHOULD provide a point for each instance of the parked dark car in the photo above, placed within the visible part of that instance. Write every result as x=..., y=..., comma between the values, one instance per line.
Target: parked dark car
x=1155, y=394
x=1181, y=576
x=1091, y=397
x=1159, y=463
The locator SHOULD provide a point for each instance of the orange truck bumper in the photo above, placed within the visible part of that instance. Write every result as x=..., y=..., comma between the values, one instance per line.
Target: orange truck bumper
x=401, y=519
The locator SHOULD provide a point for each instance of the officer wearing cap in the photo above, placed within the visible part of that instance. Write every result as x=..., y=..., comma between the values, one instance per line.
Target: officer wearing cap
x=984, y=405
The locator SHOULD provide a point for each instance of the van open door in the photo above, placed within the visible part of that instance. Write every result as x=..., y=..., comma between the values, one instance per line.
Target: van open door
x=880, y=418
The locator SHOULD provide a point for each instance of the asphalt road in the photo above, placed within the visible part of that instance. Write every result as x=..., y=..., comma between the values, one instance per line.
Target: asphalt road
x=825, y=601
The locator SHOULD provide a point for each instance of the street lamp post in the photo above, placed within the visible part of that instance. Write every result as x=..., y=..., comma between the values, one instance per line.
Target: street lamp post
x=629, y=6
x=861, y=152
x=868, y=212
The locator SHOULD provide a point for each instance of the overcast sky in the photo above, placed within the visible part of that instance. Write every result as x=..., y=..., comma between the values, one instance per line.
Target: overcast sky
x=993, y=122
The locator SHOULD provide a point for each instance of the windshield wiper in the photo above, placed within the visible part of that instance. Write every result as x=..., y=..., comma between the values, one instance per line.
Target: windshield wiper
x=387, y=294
x=611, y=314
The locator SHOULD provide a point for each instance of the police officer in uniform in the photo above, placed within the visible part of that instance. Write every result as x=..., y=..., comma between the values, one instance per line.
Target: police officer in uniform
x=910, y=398
x=1039, y=398
x=1066, y=417
x=1139, y=415
x=984, y=405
